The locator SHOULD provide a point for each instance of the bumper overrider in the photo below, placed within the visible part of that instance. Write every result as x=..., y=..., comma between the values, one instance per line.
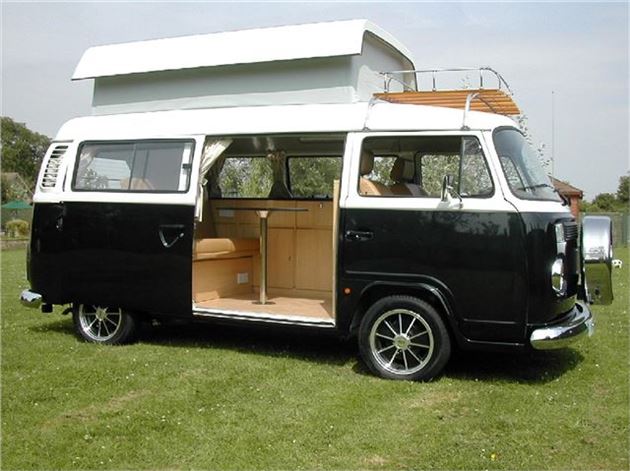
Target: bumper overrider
x=31, y=299
x=575, y=325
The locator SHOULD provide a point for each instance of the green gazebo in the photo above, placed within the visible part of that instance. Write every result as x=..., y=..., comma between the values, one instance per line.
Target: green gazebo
x=16, y=209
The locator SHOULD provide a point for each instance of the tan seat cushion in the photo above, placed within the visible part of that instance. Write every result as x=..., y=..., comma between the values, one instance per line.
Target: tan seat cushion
x=225, y=248
x=220, y=255
x=368, y=187
x=136, y=184
x=402, y=175
x=407, y=189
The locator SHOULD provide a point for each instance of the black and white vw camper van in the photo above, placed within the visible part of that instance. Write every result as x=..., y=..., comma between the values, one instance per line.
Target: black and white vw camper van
x=300, y=185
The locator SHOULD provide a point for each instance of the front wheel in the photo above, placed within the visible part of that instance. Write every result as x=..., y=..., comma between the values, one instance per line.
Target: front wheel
x=402, y=337
x=104, y=325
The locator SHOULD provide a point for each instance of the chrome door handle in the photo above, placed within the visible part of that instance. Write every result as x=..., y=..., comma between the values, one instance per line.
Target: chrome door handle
x=359, y=235
x=172, y=228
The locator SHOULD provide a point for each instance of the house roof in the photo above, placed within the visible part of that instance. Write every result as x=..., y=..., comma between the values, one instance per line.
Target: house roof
x=337, y=38
x=565, y=189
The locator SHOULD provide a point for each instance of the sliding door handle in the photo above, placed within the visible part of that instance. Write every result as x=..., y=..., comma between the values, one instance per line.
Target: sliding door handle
x=359, y=235
x=170, y=234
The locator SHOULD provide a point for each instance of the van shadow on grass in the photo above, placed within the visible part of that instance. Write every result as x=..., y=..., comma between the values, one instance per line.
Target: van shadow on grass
x=533, y=367
x=303, y=344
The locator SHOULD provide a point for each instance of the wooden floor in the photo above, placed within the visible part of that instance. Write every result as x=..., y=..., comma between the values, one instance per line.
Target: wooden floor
x=282, y=306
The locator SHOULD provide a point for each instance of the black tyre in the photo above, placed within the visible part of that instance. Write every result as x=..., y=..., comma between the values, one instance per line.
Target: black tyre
x=402, y=337
x=105, y=325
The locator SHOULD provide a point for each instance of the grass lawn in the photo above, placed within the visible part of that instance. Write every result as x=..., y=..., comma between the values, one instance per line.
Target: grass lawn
x=216, y=397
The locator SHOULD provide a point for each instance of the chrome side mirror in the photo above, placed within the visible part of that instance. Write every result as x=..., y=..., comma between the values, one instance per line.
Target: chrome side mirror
x=597, y=255
x=448, y=191
x=447, y=186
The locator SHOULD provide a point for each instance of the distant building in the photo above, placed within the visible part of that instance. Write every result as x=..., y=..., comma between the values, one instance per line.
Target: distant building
x=574, y=195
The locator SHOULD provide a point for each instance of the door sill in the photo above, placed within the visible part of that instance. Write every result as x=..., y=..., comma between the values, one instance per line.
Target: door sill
x=263, y=317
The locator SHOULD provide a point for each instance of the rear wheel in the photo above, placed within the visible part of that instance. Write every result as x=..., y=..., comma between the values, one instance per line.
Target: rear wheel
x=402, y=337
x=104, y=325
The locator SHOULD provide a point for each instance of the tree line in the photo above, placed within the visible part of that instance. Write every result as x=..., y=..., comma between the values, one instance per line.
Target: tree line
x=618, y=202
x=22, y=151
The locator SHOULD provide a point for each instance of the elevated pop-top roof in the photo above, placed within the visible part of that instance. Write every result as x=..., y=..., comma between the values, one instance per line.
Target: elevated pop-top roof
x=331, y=39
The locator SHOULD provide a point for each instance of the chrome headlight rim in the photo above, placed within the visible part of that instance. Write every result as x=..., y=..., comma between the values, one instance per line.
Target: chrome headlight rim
x=558, y=280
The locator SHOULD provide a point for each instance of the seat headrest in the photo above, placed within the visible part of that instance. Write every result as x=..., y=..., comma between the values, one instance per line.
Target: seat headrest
x=402, y=171
x=367, y=162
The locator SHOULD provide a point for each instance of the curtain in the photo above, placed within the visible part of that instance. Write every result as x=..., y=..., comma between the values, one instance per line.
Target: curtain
x=212, y=177
x=278, y=161
x=212, y=150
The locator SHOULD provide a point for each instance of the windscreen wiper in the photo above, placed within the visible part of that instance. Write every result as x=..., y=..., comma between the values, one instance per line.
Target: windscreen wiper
x=565, y=200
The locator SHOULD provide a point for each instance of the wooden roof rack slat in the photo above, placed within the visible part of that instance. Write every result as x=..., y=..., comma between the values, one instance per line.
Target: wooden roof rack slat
x=494, y=100
x=488, y=100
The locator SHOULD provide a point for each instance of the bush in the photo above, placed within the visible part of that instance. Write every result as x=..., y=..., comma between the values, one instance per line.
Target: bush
x=17, y=228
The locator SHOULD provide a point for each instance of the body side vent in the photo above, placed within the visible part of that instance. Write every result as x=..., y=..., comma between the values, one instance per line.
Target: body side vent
x=51, y=172
x=570, y=231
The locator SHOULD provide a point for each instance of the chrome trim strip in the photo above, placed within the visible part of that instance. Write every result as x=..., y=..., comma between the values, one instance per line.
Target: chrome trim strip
x=30, y=299
x=263, y=317
x=578, y=324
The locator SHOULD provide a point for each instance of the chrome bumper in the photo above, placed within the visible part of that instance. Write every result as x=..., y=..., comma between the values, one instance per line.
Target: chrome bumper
x=29, y=298
x=575, y=325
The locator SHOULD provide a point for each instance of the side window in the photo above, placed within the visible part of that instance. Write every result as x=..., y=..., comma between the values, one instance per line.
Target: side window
x=431, y=169
x=253, y=177
x=141, y=166
x=313, y=177
x=245, y=177
x=415, y=166
x=475, y=177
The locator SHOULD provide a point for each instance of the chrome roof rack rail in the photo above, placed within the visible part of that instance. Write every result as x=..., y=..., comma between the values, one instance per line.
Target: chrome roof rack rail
x=396, y=76
x=491, y=94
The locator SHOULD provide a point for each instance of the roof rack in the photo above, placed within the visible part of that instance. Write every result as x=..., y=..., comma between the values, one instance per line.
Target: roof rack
x=495, y=100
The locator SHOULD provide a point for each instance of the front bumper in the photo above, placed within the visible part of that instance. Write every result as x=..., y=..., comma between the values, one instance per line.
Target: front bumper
x=31, y=299
x=578, y=323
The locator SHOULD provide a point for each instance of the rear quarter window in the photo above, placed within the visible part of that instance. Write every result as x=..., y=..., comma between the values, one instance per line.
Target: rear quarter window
x=144, y=166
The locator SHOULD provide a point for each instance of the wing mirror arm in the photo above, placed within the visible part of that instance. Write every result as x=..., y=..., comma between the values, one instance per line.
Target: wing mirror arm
x=448, y=191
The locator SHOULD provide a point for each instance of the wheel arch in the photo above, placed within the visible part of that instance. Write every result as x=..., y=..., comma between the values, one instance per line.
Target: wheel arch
x=436, y=296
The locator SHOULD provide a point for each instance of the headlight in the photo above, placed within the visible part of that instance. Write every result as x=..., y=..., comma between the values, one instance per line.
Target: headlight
x=558, y=282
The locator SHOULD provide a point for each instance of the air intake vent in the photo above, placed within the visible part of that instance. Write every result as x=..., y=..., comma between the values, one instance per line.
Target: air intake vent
x=49, y=179
x=570, y=231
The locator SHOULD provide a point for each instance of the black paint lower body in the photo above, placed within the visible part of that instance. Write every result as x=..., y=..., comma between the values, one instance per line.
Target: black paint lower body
x=111, y=254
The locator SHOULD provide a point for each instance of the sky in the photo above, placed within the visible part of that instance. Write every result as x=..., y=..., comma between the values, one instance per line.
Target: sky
x=578, y=51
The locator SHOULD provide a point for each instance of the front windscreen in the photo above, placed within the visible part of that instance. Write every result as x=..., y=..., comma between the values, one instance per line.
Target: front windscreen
x=522, y=168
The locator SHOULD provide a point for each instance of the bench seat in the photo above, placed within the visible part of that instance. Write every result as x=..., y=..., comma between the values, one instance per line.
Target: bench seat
x=207, y=249
x=223, y=267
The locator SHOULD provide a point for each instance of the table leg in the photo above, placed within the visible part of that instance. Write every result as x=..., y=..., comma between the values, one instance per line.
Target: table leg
x=263, y=215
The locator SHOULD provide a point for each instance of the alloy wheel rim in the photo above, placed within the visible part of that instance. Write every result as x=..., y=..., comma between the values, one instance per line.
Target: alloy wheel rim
x=401, y=341
x=99, y=323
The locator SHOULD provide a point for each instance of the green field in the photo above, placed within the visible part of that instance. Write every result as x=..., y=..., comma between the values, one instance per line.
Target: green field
x=216, y=397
